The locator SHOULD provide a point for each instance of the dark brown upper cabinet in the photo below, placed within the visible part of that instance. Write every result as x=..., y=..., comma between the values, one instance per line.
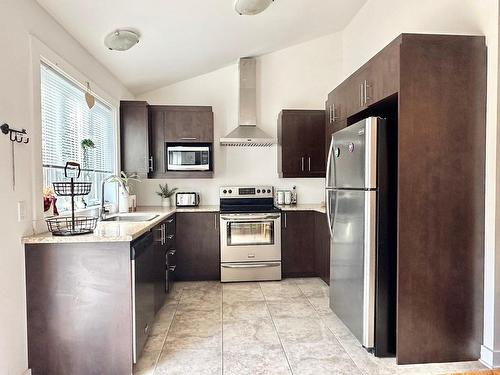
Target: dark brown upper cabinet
x=432, y=90
x=179, y=124
x=188, y=124
x=134, y=135
x=301, y=143
x=146, y=129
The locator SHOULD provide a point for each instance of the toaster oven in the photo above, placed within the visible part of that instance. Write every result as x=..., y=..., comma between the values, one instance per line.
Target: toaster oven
x=187, y=199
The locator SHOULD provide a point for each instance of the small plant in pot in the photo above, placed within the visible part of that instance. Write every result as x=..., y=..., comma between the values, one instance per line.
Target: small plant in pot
x=166, y=195
x=124, y=182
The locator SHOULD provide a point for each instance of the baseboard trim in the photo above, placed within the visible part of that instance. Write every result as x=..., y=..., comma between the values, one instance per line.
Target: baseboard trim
x=489, y=357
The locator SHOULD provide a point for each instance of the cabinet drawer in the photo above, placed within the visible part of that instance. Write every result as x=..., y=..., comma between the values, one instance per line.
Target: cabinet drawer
x=171, y=257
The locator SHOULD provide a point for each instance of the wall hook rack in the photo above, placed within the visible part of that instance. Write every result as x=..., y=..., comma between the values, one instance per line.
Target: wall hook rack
x=15, y=135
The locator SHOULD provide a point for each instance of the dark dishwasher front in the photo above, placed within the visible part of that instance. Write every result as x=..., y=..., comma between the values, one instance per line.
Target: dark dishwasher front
x=143, y=290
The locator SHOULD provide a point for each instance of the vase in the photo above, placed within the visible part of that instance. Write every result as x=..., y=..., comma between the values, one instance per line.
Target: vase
x=165, y=202
x=123, y=200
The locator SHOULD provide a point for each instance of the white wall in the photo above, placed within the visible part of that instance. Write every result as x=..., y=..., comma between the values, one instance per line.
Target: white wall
x=21, y=23
x=297, y=77
x=379, y=22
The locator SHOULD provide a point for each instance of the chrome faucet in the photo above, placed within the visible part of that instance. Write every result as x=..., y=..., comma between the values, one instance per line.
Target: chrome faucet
x=103, y=211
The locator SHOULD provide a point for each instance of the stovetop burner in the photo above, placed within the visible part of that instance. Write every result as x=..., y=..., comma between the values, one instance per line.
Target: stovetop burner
x=237, y=199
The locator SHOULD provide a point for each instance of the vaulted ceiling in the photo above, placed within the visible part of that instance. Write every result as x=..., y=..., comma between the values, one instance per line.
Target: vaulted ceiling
x=185, y=38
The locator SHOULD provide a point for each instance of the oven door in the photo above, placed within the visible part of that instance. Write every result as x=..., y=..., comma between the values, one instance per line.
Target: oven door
x=250, y=237
x=183, y=158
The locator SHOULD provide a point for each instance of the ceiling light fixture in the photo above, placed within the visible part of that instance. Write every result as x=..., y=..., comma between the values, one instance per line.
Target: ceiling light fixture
x=251, y=7
x=121, y=40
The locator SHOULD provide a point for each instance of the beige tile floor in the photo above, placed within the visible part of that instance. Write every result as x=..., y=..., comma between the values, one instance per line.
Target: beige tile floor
x=269, y=328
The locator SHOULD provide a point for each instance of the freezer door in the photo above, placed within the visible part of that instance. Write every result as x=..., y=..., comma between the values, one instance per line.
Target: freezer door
x=353, y=157
x=352, y=270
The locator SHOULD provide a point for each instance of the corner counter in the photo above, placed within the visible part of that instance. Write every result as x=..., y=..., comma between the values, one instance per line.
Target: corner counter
x=108, y=231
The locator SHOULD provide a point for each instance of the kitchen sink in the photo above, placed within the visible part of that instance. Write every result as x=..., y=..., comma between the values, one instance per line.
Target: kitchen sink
x=131, y=217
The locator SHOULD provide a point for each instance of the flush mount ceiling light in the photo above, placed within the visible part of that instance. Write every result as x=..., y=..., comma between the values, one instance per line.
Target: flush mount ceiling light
x=121, y=40
x=251, y=7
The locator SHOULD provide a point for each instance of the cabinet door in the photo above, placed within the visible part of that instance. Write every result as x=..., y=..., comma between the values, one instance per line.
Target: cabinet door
x=322, y=247
x=157, y=135
x=382, y=74
x=189, y=124
x=314, y=127
x=297, y=248
x=291, y=135
x=301, y=141
x=134, y=141
x=197, y=242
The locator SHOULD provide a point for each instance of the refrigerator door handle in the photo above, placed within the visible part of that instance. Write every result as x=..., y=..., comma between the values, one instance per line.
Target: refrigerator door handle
x=329, y=164
x=329, y=216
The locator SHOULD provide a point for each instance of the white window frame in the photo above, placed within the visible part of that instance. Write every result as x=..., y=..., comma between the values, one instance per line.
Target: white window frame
x=40, y=53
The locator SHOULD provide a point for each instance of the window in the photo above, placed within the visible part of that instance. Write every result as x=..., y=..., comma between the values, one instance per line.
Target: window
x=66, y=122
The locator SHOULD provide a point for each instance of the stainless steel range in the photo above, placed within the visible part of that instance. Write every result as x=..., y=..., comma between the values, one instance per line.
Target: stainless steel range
x=250, y=234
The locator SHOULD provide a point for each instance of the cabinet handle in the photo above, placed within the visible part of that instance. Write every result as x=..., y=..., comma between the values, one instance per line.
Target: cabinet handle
x=170, y=221
x=151, y=164
x=160, y=229
x=170, y=236
x=172, y=252
x=365, y=96
x=284, y=217
x=172, y=268
x=361, y=95
x=334, y=117
x=302, y=163
x=309, y=163
x=189, y=139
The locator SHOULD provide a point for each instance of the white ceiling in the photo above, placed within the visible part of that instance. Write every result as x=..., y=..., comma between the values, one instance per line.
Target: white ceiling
x=185, y=38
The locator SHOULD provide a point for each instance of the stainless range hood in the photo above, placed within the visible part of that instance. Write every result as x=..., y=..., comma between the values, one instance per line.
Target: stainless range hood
x=247, y=133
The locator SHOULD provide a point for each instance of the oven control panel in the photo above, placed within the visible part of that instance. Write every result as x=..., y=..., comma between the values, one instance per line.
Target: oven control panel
x=246, y=192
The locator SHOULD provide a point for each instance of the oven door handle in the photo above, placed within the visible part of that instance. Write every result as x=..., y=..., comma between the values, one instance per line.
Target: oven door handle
x=256, y=265
x=250, y=217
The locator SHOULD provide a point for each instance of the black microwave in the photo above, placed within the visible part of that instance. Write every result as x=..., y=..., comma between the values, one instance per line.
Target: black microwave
x=188, y=157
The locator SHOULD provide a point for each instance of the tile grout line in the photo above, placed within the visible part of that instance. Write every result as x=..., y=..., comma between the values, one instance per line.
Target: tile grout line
x=276, y=330
x=333, y=333
x=168, y=330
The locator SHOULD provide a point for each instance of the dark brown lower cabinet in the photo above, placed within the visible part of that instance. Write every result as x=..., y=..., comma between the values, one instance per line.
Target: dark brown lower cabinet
x=322, y=246
x=79, y=308
x=297, y=244
x=197, y=242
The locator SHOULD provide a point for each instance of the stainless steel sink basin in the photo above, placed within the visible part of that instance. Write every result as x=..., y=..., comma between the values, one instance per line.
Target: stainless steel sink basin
x=132, y=217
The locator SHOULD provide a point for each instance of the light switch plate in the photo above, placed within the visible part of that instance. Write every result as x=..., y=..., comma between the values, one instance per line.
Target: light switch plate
x=21, y=210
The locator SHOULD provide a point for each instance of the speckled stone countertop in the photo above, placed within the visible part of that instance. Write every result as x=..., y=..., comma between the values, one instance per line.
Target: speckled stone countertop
x=303, y=207
x=109, y=231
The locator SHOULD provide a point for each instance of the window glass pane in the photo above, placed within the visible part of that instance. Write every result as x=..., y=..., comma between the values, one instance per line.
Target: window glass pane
x=250, y=233
x=66, y=122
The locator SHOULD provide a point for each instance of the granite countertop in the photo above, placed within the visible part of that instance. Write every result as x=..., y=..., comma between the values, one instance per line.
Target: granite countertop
x=109, y=231
x=303, y=207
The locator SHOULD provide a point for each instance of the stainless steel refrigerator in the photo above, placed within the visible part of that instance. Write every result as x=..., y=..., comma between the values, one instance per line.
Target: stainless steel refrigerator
x=360, y=200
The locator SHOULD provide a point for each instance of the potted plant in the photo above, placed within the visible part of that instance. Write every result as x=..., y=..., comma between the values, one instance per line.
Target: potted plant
x=125, y=197
x=166, y=195
x=87, y=145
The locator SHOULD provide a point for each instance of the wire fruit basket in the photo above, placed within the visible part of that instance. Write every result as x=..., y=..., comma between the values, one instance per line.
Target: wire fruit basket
x=71, y=225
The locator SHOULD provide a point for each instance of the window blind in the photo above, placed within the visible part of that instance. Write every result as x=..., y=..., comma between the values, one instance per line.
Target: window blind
x=66, y=121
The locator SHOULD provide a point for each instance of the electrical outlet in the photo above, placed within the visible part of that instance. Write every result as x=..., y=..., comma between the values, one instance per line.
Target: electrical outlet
x=21, y=210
